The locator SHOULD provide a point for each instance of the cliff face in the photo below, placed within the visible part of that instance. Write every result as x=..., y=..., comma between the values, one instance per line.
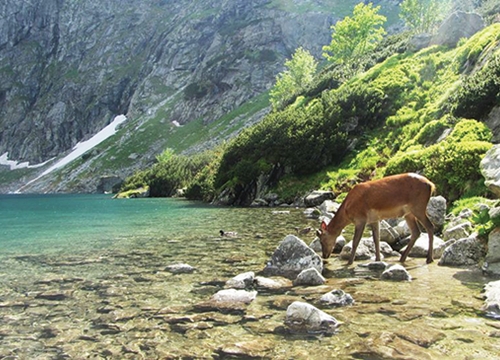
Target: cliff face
x=69, y=66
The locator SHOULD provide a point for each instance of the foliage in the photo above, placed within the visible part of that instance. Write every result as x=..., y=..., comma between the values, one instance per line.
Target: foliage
x=170, y=173
x=423, y=16
x=452, y=164
x=299, y=74
x=479, y=92
x=480, y=206
x=353, y=37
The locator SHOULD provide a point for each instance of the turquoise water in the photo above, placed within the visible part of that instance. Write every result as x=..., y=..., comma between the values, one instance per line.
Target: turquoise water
x=84, y=277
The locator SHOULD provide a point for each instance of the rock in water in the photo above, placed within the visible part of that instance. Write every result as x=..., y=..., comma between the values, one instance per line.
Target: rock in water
x=291, y=257
x=305, y=318
x=396, y=273
x=309, y=277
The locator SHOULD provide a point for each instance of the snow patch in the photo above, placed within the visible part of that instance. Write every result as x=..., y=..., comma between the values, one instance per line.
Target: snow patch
x=83, y=147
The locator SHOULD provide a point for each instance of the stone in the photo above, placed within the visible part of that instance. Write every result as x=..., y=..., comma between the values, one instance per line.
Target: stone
x=233, y=295
x=241, y=281
x=254, y=349
x=305, y=318
x=421, y=246
x=457, y=26
x=366, y=250
x=329, y=207
x=291, y=257
x=492, y=299
x=420, y=41
x=317, y=197
x=340, y=243
x=491, y=266
x=272, y=284
x=464, y=252
x=387, y=233
x=336, y=298
x=309, y=277
x=490, y=169
x=180, y=269
x=312, y=213
x=436, y=210
x=396, y=272
x=460, y=231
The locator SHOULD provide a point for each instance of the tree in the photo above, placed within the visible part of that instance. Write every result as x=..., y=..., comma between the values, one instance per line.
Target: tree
x=300, y=73
x=423, y=15
x=355, y=36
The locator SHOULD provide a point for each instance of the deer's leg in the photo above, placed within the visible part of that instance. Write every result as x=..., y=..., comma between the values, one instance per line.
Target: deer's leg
x=358, y=232
x=415, y=233
x=429, y=227
x=376, y=238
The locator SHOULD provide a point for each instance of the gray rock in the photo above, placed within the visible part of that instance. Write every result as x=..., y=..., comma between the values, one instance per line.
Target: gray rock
x=312, y=213
x=309, y=277
x=492, y=298
x=291, y=257
x=436, y=210
x=460, y=231
x=316, y=244
x=180, y=269
x=457, y=26
x=241, y=281
x=235, y=296
x=366, y=250
x=272, y=284
x=387, y=233
x=329, y=207
x=491, y=266
x=490, y=169
x=305, y=318
x=317, y=197
x=421, y=246
x=464, y=252
x=420, y=41
x=396, y=273
x=336, y=298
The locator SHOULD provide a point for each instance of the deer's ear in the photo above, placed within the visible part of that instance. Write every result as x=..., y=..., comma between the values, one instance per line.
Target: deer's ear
x=323, y=225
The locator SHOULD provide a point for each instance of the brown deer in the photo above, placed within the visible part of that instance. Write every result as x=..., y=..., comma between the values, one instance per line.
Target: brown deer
x=367, y=203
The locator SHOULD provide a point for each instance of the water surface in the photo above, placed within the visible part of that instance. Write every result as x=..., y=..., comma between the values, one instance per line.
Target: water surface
x=84, y=277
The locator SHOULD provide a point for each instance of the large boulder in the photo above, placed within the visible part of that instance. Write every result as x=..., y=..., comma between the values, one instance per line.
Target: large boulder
x=436, y=210
x=490, y=169
x=492, y=298
x=491, y=265
x=305, y=318
x=457, y=26
x=464, y=252
x=317, y=197
x=291, y=257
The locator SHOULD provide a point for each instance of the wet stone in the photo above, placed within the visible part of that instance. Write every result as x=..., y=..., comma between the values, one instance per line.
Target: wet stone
x=241, y=281
x=304, y=318
x=336, y=298
x=53, y=295
x=180, y=269
x=272, y=284
x=396, y=273
x=309, y=277
x=254, y=349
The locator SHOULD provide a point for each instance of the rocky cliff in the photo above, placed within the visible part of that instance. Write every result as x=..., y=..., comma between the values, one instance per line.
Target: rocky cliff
x=69, y=66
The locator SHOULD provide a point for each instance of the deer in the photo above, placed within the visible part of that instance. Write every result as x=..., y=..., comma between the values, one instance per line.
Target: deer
x=404, y=195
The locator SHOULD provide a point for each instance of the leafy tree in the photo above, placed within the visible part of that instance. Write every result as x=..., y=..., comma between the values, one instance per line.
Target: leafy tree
x=423, y=15
x=300, y=73
x=353, y=37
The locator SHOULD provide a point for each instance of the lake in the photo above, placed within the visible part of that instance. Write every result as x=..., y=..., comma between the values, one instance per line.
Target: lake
x=84, y=277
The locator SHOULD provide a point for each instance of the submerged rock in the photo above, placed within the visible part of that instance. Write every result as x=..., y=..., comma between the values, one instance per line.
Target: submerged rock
x=396, y=272
x=366, y=250
x=180, y=269
x=291, y=257
x=272, y=284
x=241, y=281
x=337, y=298
x=309, y=277
x=305, y=318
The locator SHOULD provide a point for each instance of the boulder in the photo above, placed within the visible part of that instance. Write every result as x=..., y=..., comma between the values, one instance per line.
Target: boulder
x=490, y=169
x=329, y=207
x=309, y=277
x=420, y=41
x=491, y=265
x=317, y=197
x=492, y=298
x=305, y=318
x=366, y=250
x=336, y=298
x=436, y=210
x=396, y=272
x=460, y=231
x=421, y=246
x=457, y=26
x=291, y=257
x=464, y=252
x=387, y=233
x=241, y=281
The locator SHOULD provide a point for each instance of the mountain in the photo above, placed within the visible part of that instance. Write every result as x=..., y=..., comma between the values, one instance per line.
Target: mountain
x=176, y=69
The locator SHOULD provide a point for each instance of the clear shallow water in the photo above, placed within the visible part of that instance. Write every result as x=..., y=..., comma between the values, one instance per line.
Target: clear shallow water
x=84, y=277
